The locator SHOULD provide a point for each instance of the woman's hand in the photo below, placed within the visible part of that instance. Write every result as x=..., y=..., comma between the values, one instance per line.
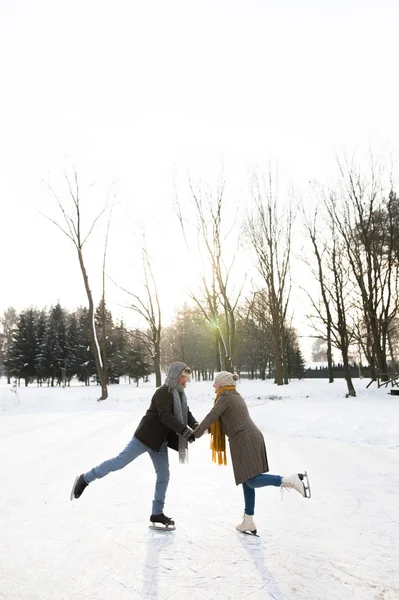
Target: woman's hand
x=188, y=434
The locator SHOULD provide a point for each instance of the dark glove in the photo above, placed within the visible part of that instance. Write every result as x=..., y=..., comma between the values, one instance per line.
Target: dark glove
x=188, y=435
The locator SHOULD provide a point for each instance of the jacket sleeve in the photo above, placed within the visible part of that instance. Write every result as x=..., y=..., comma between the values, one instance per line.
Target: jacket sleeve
x=191, y=421
x=211, y=417
x=164, y=408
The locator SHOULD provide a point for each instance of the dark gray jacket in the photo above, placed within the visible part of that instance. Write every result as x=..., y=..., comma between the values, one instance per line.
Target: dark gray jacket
x=159, y=423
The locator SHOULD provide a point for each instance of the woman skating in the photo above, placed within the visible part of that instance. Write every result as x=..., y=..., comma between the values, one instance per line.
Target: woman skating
x=230, y=417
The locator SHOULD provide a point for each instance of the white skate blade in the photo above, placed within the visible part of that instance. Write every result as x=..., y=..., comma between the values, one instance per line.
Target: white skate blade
x=160, y=527
x=72, y=497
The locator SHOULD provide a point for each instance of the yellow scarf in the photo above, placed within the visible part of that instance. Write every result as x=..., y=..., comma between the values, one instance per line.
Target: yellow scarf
x=218, y=438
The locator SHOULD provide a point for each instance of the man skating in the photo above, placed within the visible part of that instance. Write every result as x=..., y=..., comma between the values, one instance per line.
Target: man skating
x=168, y=422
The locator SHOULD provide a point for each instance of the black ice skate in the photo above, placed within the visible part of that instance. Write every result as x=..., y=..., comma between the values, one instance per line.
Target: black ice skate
x=162, y=522
x=79, y=486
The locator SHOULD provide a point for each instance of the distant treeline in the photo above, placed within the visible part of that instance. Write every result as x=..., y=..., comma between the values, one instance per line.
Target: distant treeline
x=52, y=346
x=338, y=372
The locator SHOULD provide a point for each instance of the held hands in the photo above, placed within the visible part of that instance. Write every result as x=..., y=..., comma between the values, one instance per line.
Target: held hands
x=188, y=435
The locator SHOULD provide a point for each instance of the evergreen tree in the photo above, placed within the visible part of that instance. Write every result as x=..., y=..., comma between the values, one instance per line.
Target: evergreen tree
x=53, y=349
x=299, y=365
x=293, y=358
x=22, y=354
x=72, y=342
x=137, y=366
x=119, y=359
x=41, y=332
x=2, y=354
x=8, y=324
x=85, y=366
x=105, y=327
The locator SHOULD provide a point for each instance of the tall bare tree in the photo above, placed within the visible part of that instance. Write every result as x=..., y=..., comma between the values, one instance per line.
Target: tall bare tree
x=217, y=298
x=149, y=308
x=73, y=230
x=269, y=232
x=366, y=219
x=319, y=250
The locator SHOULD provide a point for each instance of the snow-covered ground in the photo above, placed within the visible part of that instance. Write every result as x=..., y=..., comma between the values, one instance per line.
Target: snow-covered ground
x=342, y=544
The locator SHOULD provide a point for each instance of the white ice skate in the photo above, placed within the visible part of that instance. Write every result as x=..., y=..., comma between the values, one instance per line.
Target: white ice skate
x=247, y=525
x=298, y=482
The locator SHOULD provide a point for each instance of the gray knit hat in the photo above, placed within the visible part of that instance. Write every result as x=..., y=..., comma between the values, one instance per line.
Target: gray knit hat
x=175, y=370
x=225, y=378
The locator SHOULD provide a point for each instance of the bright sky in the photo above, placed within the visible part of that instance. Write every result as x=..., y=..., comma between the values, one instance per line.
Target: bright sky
x=142, y=93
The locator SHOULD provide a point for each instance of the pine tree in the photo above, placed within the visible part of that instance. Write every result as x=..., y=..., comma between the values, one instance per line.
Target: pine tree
x=22, y=354
x=104, y=328
x=8, y=325
x=41, y=332
x=71, y=346
x=53, y=347
x=137, y=366
x=85, y=366
x=299, y=369
x=119, y=359
x=293, y=359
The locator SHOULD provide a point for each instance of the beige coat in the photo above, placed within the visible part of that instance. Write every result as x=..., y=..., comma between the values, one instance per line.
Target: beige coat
x=247, y=446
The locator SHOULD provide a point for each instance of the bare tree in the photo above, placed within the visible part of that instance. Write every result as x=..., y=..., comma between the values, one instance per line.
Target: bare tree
x=73, y=230
x=318, y=273
x=150, y=310
x=102, y=311
x=269, y=232
x=339, y=294
x=217, y=300
x=366, y=219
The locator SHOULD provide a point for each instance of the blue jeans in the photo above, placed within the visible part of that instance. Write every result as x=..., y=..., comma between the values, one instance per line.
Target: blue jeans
x=134, y=448
x=257, y=482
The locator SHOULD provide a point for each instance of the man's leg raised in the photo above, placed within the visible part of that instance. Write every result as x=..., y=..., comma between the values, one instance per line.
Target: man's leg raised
x=128, y=454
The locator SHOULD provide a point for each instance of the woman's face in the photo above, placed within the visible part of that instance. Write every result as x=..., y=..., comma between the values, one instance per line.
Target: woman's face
x=216, y=386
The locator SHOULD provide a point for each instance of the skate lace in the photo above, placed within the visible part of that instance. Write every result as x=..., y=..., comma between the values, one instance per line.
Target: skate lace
x=283, y=490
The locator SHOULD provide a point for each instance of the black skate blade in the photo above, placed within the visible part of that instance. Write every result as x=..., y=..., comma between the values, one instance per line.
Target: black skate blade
x=72, y=497
x=161, y=527
x=251, y=533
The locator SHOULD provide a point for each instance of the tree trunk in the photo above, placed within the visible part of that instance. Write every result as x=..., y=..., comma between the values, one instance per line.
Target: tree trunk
x=278, y=377
x=217, y=351
x=157, y=366
x=285, y=364
x=347, y=373
x=329, y=357
x=391, y=352
x=93, y=335
x=104, y=341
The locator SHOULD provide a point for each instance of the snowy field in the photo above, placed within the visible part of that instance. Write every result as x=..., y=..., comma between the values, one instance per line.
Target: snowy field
x=342, y=544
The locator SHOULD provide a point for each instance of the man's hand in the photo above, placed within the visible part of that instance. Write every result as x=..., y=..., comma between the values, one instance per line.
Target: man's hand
x=188, y=435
